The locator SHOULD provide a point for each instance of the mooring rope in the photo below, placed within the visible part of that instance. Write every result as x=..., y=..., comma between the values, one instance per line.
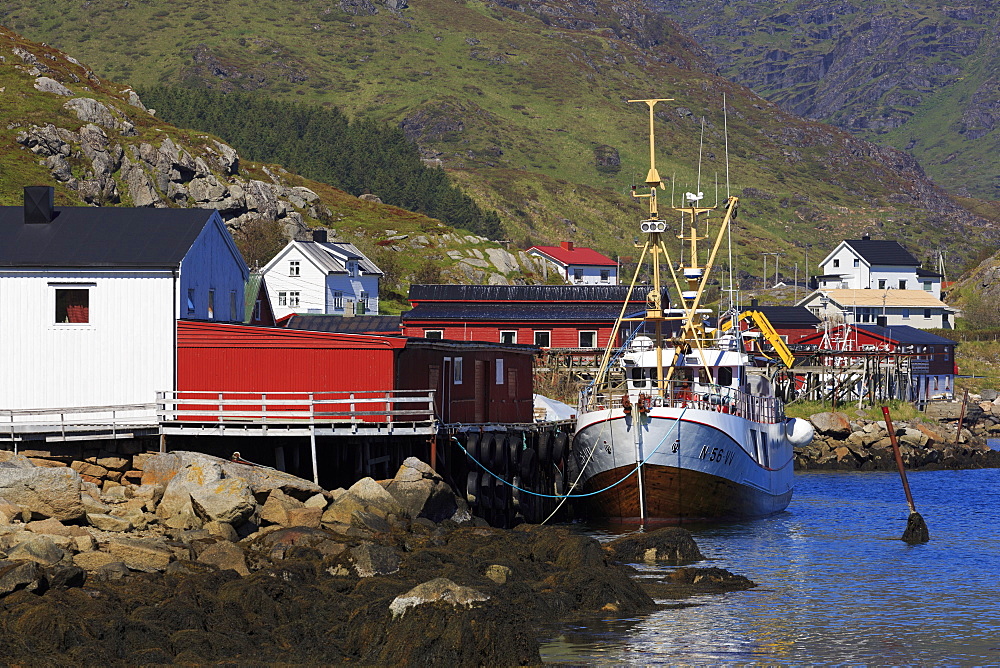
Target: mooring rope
x=576, y=496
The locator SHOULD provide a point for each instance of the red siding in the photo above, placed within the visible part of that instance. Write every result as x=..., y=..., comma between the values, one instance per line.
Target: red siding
x=563, y=335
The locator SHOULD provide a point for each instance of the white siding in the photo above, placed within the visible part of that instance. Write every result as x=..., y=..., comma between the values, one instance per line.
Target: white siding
x=314, y=286
x=122, y=356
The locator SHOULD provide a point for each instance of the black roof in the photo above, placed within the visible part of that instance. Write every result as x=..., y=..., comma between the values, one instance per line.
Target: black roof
x=359, y=324
x=527, y=293
x=906, y=334
x=514, y=312
x=100, y=237
x=789, y=316
x=882, y=252
x=928, y=273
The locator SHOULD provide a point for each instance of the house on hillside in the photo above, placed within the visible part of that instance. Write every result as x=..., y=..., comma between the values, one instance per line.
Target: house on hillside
x=90, y=298
x=579, y=266
x=866, y=263
x=322, y=276
x=547, y=316
x=916, y=308
x=931, y=357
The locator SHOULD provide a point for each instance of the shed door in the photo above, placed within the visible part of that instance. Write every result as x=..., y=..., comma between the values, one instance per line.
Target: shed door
x=482, y=387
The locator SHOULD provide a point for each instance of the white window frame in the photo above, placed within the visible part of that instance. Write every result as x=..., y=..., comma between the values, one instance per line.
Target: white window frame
x=294, y=268
x=577, y=275
x=902, y=284
x=293, y=298
x=579, y=338
x=282, y=298
x=928, y=286
x=457, y=371
x=428, y=333
x=881, y=283
x=512, y=332
x=56, y=287
x=547, y=333
x=337, y=297
x=605, y=275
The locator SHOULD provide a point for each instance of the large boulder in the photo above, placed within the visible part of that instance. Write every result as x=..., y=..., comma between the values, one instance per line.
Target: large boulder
x=45, y=492
x=364, y=496
x=228, y=500
x=225, y=555
x=39, y=549
x=837, y=425
x=147, y=555
x=432, y=591
x=670, y=544
x=422, y=492
x=162, y=468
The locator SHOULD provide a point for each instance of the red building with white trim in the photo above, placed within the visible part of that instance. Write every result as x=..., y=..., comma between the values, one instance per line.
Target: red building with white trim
x=579, y=266
x=547, y=316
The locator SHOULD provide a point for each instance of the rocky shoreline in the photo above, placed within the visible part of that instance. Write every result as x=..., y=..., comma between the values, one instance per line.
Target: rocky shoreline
x=204, y=560
x=930, y=441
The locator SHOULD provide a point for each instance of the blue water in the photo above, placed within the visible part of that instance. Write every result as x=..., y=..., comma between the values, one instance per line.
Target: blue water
x=835, y=583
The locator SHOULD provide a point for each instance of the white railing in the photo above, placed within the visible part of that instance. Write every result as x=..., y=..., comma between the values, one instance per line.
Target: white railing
x=107, y=419
x=680, y=394
x=239, y=407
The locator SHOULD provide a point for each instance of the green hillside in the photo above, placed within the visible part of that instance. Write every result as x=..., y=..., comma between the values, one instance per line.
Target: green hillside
x=922, y=76
x=525, y=106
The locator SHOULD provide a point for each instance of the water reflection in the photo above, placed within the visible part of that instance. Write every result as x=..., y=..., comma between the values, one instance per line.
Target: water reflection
x=836, y=585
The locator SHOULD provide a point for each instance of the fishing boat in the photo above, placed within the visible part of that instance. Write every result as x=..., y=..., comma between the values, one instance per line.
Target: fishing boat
x=678, y=426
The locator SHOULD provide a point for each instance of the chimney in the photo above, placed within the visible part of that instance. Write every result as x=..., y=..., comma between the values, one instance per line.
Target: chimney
x=567, y=245
x=39, y=205
x=866, y=237
x=754, y=303
x=881, y=321
x=320, y=235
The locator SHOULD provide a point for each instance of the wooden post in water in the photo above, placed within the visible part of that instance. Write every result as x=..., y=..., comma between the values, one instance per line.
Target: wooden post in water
x=916, y=528
x=961, y=416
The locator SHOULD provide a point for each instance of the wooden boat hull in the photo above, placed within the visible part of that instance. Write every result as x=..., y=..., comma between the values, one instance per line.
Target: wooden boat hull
x=700, y=465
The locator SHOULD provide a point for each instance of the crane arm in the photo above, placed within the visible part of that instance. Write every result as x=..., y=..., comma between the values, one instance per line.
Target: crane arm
x=770, y=334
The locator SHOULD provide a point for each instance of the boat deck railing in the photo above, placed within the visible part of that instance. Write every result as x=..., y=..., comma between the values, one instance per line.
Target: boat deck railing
x=682, y=394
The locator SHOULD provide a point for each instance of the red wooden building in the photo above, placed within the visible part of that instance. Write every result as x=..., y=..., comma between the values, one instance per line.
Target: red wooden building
x=793, y=323
x=547, y=316
x=471, y=382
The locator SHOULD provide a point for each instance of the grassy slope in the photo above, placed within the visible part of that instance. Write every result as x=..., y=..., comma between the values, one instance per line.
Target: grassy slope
x=515, y=106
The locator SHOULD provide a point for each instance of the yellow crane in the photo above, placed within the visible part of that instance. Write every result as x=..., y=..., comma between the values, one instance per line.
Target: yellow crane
x=767, y=329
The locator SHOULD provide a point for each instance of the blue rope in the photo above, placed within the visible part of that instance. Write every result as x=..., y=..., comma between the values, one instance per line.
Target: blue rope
x=575, y=496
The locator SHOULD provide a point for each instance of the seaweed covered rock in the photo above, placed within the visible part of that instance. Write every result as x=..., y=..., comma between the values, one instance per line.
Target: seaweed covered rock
x=670, y=544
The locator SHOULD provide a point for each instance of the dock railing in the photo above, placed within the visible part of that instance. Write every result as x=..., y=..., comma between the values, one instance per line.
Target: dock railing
x=72, y=423
x=241, y=407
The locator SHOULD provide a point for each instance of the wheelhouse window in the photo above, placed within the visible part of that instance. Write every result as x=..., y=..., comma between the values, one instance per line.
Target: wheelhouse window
x=543, y=339
x=724, y=376
x=293, y=268
x=588, y=339
x=433, y=333
x=508, y=336
x=72, y=305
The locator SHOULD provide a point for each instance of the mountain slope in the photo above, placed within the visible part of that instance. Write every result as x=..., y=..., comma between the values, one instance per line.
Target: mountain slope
x=524, y=104
x=920, y=75
x=93, y=140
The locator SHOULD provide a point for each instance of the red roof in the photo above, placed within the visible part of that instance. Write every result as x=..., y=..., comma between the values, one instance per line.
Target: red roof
x=586, y=256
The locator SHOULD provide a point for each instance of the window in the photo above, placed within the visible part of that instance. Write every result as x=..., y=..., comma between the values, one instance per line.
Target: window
x=211, y=304
x=857, y=262
x=638, y=377
x=605, y=275
x=72, y=305
x=190, y=301
x=902, y=284
x=363, y=303
x=232, y=305
x=457, y=374
x=588, y=339
x=352, y=268
x=578, y=275
x=508, y=336
x=282, y=299
x=433, y=333
x=511, y=383
x=338, y=300
x=836, y=263
x=928, y=286
x=725, y=376
x=927, y=313
x=881, y=284
x=293, y=268
x=293, y=299
x=543, y=339
x=906, y=314
x=499, y=375
x=256, y=310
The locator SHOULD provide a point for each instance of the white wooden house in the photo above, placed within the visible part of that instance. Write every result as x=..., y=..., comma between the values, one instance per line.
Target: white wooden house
x=915, y=308
x=866, y=263
x=90, y=298
x=321, y=276
x=578, y=265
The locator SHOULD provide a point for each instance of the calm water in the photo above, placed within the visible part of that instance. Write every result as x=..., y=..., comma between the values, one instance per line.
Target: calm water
x=835, y=583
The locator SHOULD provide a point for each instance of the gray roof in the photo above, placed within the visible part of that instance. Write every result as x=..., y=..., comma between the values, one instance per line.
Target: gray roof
x=332, y=256
x=879, y=251
x=359, y=324
x=527, y=293
x=101, y=237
